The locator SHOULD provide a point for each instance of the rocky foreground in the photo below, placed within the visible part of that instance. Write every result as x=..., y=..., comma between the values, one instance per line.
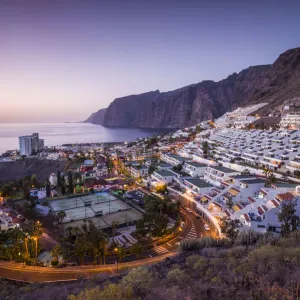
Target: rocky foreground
x=15, y=170
x=268, y=269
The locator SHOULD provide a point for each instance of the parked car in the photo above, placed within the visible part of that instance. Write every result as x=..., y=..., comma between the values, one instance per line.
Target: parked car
x=206, y=227
x=19, y=217
x=189, y=210
x=198, y=217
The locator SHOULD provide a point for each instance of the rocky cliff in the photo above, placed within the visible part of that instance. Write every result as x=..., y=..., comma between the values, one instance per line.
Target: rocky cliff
x=278, y=84
x=186, y=106
x=97, y=117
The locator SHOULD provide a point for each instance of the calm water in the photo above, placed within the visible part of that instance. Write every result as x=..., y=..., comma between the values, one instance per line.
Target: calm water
x=63, y=133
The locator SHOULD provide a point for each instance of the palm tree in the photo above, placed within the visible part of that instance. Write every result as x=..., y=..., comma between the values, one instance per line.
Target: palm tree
x=136, y=249
x=267, y=171
x=61, y=215
x=80, y=249
x=121, y=253
x=70, y=229
x=270, y=180
x=114, y=225
x=56, y=251
x=160, y=207
x=285, y=177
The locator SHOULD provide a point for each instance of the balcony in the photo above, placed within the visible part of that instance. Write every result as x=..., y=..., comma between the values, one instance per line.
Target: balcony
x=294, y=165
x=251, y=160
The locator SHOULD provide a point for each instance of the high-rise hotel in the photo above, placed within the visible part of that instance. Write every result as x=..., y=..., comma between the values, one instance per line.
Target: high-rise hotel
x=30, y=144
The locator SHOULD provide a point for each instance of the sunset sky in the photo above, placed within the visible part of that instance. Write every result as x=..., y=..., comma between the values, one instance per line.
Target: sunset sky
x=61, y=60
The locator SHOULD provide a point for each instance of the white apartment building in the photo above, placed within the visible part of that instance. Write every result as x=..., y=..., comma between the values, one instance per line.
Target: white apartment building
x=218, y=175
x=197, y=186
x=138, y=171
x=194, y=168
x=30, y=144
x=290, y=121
x=277, y=150
x=6, y=222
x=173, y=159
x=165, y=176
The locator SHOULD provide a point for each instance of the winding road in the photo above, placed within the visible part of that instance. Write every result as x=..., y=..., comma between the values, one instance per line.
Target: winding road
x=193, y=228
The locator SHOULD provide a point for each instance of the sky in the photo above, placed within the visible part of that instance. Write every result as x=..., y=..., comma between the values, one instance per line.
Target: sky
x=61, y=60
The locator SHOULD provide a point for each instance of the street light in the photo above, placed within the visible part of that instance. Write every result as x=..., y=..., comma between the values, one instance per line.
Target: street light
x=36, y=250
x=117, y=262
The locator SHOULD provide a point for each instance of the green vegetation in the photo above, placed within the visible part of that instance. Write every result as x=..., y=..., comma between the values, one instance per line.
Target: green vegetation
x=89, y=240
x=230, y=227
x=21, y=246
x=257, y=266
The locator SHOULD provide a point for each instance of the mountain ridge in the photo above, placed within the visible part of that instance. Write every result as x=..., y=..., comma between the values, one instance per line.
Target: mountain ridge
x=277, y=84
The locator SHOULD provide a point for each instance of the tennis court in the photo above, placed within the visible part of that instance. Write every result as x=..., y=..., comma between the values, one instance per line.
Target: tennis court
x=102, y=208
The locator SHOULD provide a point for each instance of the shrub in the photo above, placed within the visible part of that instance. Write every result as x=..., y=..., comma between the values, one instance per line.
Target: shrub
x=247, y=237
x=54, y=263
x=201, y=243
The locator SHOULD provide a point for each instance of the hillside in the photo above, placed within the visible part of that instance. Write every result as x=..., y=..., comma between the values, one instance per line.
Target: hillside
x=26, y=167
x=278, y=84
x=186, y=106
x=266, y=270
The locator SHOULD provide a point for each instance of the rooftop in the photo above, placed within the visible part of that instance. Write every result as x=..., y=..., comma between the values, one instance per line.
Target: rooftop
x=164, y=173
x=253, y=181
x=198, y=182
x=178, y=157
x=284, y=185
x=196, y=164
x=223, y=169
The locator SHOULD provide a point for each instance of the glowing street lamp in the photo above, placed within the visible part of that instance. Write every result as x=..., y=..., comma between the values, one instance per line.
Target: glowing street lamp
x=117, y=261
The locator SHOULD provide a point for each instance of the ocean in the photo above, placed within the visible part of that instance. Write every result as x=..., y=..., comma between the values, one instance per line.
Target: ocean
x=56, y=134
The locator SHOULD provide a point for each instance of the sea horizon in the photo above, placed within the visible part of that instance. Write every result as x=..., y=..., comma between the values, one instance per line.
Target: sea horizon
x=56, y=134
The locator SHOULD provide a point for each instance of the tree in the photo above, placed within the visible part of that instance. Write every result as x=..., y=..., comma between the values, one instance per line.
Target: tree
x=70, y=181
x=26, y=188
x=178, y=168
x=161, y=188
x=205, y=148
x=270, y=180
x=121, y=253
x=152, y=225
x=136, y=249
x=285, y=177
x=230, y=227
x=114, y=226
x=63, y=185
x=198, y=129
x=287, y=217
x=69, y=229
x=230, y=203
x=6, y=190
x=34, y=181
x=56, y=251
x=61, y=215
x=80, y=248
x=58, y=178
x=151, y=169
x=267, y=171
x=48, y=189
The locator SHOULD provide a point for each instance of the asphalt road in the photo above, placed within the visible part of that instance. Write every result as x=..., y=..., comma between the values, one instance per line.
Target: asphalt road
x=193, y=228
